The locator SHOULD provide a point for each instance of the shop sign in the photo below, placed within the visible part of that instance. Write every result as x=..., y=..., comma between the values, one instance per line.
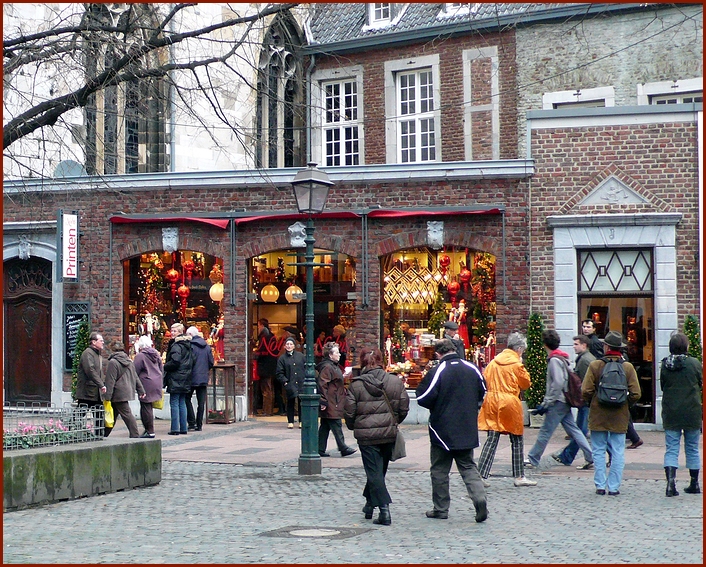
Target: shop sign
x=68, y=237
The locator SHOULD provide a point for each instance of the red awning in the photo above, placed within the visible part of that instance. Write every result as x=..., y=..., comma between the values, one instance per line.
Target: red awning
x=120, y=219
x=396, y=213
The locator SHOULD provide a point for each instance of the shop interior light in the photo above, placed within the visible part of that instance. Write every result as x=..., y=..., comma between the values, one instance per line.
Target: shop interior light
x=269, y=293
x=216, y=292
x=293, y=294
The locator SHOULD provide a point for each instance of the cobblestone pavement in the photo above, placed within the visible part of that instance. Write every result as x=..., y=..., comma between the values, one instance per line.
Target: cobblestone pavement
x=259, y=510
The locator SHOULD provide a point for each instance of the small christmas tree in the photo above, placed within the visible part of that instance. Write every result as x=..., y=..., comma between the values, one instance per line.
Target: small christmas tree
x=82, y=343
x=691, y=330
x=399, y=344
x=535, y=361
x=438, y=315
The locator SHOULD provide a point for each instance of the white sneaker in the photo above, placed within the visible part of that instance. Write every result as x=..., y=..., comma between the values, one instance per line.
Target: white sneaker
x=300, y=425
x=290, y=426
x=524, y=481
x=485, y=482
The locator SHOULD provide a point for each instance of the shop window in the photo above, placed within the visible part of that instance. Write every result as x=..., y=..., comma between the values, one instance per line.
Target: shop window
x=164, y=288
x=422, y=288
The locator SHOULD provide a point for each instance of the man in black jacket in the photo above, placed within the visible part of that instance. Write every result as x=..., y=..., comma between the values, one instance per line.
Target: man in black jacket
x=451, y=333
x=453, y=392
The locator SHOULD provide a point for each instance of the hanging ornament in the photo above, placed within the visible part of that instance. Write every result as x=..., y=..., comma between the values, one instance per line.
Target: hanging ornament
x=172, y=276
x=216, y=274
x=188, y=266
x=269, y=293
x=444, y=263
x=216, y=292
x=465, y=277
x=453, y=289
x=183, y=293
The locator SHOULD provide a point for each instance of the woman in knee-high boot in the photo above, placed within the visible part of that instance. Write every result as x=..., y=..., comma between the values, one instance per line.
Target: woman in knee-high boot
x=681, y=380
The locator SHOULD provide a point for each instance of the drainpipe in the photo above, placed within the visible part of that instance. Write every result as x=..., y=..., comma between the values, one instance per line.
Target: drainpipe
x=309, y=72
x=172, y=109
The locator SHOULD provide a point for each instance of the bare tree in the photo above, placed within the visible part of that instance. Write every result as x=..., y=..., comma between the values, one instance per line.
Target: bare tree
x=88, y=58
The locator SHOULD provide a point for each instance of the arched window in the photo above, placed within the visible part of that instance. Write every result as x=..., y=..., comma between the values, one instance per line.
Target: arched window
x=125, y=123
x=281, y=112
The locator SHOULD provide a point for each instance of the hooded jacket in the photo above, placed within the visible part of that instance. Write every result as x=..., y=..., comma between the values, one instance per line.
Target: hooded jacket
x=148, y=365
x=121, y=380
x=366, y=411
x=505, y=377
x=331, y=388
x=681, y=380
x=203, y=361
x=557, y=378
x=90, y=376
x=290, y=372
x=177, y=369
x=453, y=392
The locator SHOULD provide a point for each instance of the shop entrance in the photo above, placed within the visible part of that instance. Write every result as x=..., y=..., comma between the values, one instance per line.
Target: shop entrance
x=276, y=288
x=615, y=291
x=422, y=289
x=27, y=303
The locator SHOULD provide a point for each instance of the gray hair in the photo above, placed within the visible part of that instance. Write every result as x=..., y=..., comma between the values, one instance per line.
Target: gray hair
x=516, y=341
x=143, y=342
x=193, y=332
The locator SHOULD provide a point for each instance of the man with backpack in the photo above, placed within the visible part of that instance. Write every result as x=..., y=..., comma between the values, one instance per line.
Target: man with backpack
x=609, y=386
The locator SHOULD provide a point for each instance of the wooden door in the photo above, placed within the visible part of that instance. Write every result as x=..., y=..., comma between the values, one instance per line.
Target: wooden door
x=27, y=336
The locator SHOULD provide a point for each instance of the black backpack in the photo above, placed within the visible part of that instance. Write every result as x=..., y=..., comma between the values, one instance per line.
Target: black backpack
x=612, y=388
x=572, y=393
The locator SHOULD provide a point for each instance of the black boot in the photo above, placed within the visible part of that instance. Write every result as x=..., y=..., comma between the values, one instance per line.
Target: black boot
x=368, y=510
x=693, y=487
x=384, y=518
x=671, y=473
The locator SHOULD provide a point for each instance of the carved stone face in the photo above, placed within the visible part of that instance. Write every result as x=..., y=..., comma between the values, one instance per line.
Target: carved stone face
x=297, y=234
x=435, y=234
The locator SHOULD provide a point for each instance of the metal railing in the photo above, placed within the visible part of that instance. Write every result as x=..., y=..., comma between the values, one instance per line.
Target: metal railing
x=37, y=425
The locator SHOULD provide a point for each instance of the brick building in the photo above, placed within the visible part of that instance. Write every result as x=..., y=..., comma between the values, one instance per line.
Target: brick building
x=420, y=114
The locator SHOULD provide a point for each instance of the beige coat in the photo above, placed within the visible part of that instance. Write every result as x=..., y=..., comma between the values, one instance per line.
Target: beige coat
x=505, y=376
x=602, y=418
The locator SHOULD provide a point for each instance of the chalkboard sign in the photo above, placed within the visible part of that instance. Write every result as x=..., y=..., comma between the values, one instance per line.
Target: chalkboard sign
x=73, y=315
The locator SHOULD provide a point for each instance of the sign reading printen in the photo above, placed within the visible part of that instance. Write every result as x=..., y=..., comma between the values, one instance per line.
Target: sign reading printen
x=68, y=236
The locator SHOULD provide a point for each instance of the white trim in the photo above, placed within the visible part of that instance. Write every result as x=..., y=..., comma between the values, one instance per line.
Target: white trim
x=647, y=90
x=470, y=55
x=391, y=123
x=318, y=106
x=626, y=119
x=606, y=94
x=393, y=20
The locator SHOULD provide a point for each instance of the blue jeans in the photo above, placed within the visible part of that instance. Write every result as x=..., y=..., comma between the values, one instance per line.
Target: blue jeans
x=568, y=455
x=615, y=444
x=177, y=407
x=672, y=438
x=559, y=412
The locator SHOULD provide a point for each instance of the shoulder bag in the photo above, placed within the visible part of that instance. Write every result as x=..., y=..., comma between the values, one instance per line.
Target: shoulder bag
x=399, y=450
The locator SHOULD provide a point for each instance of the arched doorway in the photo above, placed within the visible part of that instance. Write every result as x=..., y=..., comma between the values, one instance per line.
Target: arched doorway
x=27, y=302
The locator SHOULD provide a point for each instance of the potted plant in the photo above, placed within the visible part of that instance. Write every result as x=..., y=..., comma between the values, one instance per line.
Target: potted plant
x=536, y=364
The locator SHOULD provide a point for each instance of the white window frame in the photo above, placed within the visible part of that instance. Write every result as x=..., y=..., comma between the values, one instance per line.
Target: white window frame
x=395, y=10
x=319, y=79
x=566, y=98
x=470, y=55
x=451, y=9
x=393, y=69
x=646, y=91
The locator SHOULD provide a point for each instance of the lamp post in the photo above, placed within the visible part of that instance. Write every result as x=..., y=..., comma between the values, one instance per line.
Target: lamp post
x=311, y=187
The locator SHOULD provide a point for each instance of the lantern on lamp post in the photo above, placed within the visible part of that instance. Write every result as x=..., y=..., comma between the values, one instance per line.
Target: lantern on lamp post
x=311, y=188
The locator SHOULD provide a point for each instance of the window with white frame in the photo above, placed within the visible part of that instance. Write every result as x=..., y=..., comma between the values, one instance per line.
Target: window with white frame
x=412, y=109
x=337, y=116
x=380, y=12
x=682, y=91
x=340, y=123
x=579, y=98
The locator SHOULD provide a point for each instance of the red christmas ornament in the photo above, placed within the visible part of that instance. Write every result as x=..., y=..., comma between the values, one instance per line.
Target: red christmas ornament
x=444, y=262
x=172, y=276
x=183, y=292
x=453, y=288
x=188, y=266
x=465, y=276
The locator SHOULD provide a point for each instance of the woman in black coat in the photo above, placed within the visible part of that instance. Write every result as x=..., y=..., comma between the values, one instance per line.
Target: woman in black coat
x=368, y=414
x=290, y=373
x=177, y=377
x=681, y=380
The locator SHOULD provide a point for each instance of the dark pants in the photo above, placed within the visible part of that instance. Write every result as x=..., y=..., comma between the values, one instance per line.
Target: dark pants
x=256, y=395
x=122, y=409
x=98, y=419
x=279, y=398
x=441, y=461
x=147, y=416
x=333, y=425
x=632, y=434
x=375, y=461
x=191, y=419
x=291, y=402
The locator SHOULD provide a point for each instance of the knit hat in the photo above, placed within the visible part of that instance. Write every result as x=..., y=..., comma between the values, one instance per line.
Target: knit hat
x=290, y=340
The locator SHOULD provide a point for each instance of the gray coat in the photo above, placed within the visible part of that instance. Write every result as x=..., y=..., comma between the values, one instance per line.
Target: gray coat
x=91, y=375
x=121, y=380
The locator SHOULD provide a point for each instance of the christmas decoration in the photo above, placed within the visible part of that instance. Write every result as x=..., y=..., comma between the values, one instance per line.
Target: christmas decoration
x=82, y=343
x=172, y=276
x=279, y=274
x=188, y=265
x=399, y=344
x=438, y=315
x=691, y=330
x=535, y=361
x=183, y=293
x=444, y=263
x=453, y=288
x=483, y=290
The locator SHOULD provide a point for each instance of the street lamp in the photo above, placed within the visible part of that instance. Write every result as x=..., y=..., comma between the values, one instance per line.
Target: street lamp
x=311, y=187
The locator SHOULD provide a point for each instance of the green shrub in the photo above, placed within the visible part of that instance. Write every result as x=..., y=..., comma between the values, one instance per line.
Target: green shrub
x=82, y=343
x=535, y=361
x=691, y=330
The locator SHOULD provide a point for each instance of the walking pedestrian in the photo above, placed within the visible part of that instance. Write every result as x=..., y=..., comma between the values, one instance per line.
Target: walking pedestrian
x=583, y=359
x=595, y=346
x=554, y=404
x=367, y=413
x=451, y=333
x=453, y=393
x=203, y=362
x=681, y=380
x=290, y=372
x=266, y=354
x=177, y=377
x=148, y=365
x=501, y=413
x=333, y=400
x=90, y=379
x=121, y=383
x=609, y=424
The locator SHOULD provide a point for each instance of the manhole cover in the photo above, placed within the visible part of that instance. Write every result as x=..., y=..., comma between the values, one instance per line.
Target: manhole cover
x=315, y=532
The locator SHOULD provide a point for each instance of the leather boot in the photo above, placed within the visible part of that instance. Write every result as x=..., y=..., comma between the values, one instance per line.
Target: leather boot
x=671, y=473
x=693, y=487
x=368, y=510
x=383, y=518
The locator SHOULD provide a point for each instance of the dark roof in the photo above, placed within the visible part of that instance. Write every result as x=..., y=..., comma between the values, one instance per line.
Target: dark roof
x=342, y=26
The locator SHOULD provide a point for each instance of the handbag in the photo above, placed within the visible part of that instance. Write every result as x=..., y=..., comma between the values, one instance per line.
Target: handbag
x=398, y=450
x=109, y=414
x=159, y=404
